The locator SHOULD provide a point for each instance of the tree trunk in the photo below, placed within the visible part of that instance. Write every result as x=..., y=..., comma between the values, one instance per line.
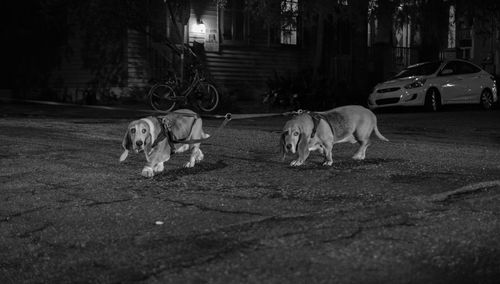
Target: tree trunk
x=318, y=56
x=359, y=53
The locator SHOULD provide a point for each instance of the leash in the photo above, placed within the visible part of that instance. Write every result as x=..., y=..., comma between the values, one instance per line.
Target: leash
x=252, y=115
x=167, y=132
x=150, y=111
x=231, y=116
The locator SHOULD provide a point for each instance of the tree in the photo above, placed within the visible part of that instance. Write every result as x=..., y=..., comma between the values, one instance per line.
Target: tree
x=34, y=34
x=486, y=13
x=39, y=33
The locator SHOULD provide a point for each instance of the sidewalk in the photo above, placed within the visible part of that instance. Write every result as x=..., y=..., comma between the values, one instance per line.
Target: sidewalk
x=56, y=109
x=13, y=107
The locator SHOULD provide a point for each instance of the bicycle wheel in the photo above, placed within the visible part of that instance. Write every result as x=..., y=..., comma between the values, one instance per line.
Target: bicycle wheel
x=207, y=97
x=162, y=97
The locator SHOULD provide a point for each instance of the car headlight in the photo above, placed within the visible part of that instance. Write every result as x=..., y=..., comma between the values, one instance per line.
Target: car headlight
x=416, y=84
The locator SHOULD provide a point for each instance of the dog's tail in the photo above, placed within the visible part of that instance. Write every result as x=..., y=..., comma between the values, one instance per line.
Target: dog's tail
x=205, y=135
x=379, y=135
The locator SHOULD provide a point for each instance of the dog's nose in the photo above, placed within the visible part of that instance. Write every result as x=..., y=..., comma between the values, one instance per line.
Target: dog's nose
x=288, y=146
x=138, y=143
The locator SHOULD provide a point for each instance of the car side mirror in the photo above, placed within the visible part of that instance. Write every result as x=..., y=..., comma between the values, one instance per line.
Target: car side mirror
x=446, y=72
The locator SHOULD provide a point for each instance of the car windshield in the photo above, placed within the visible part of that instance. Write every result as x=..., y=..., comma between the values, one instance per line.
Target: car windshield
x=419, y=70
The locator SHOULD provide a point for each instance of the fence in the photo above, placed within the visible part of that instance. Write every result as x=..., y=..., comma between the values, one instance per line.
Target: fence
x=404, y=56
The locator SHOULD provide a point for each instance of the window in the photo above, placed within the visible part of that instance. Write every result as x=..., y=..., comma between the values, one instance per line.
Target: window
x=460, y=67
x=464, y=37
x=234, y=22
x=289, y=13
x=453, y=66
x=419, y=70
x=403, y=34
x=467, y=68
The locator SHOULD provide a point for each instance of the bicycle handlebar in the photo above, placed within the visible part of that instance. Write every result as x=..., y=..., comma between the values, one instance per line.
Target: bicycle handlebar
x=186, y=46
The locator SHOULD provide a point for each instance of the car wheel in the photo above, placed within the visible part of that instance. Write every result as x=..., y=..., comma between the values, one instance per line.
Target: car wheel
x=432, y=100
x=487, y=99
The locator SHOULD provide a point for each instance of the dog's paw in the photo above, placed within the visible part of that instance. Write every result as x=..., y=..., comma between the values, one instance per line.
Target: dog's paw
x=189, y=164
x=158, y=168
x=327, y=163
x=147, y=172
x=358, y=157
x=296, y=163
x=124, y=156
x=199, y=156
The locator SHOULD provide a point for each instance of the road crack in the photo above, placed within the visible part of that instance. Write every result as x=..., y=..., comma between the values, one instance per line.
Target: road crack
x=96, y=203
x=18, y=214
x=468, y=189
x=351, y=235
x=214, y=209
x=39, y=229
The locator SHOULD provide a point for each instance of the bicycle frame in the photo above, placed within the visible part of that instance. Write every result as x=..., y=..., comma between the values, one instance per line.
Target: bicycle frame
x=193, y=84
x=175, y=91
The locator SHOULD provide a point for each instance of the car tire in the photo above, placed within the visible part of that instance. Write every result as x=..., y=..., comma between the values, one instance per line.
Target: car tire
x=432, y=100
x=486, y=99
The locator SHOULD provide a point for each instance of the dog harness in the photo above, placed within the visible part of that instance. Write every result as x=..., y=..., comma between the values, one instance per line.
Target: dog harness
x=166, y=132
x=317, y=117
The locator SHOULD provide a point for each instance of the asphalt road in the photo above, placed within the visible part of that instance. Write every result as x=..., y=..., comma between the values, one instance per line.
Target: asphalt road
x=423, y=208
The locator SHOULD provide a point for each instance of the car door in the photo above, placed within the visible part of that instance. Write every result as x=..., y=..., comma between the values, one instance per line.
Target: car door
x=453, y=86
x=472, y=80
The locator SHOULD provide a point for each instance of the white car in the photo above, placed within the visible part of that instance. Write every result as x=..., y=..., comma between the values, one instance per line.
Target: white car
x=433, y=84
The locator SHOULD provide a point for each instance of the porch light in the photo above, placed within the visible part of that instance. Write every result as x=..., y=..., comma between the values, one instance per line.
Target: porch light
x=199, y=27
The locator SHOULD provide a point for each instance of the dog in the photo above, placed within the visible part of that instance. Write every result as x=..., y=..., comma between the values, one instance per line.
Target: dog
x=310, y=131
x=160, y=137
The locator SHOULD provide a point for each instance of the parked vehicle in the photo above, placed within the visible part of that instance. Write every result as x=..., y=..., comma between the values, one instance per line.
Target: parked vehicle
x=434, y=84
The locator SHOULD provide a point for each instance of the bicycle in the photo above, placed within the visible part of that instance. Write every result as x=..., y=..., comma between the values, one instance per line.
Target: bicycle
x=164, y=96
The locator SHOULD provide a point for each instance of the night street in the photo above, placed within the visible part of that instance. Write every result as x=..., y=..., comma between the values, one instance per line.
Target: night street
x=103, y=105
x=422, y=208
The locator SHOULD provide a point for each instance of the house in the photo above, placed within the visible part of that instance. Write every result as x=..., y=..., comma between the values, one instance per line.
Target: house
x=109, y=51
x=240, y=54
x=242, y=49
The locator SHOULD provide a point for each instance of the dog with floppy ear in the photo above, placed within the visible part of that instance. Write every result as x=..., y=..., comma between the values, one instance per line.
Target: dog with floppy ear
x=321, y=130
x=145, y=135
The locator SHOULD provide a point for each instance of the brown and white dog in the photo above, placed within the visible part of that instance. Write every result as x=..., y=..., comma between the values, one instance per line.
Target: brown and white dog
x=142, y=136
x=321, y=130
